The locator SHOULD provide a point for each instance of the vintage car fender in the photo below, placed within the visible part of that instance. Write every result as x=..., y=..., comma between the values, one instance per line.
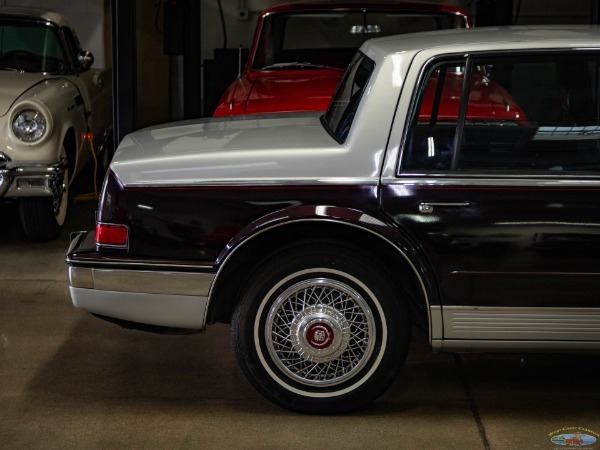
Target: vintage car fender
x=95, y=86
x=59, y=100
x=399, y=245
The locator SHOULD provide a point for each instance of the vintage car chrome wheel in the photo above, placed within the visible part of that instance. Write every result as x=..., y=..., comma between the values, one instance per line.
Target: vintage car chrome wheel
x=42, y=218
x=320, y=332
x=320, y=329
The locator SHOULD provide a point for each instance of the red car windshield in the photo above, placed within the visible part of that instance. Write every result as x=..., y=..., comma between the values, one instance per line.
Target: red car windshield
x=314, y=39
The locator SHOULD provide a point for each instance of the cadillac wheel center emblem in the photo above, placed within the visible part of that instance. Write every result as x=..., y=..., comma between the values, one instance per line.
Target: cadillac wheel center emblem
x=319, y=335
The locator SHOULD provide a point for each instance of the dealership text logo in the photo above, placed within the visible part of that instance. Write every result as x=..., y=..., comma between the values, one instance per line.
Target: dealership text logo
x=574, y=437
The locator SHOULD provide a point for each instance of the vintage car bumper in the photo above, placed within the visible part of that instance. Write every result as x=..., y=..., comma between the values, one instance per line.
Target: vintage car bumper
x=154, y=297
x=31, y=180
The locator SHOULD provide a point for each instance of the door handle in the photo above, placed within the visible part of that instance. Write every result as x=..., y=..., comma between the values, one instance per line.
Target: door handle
x=427, y=207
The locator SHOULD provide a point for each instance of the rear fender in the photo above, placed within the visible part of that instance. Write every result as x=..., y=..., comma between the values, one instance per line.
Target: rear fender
x=260, y=238
x=297, y=214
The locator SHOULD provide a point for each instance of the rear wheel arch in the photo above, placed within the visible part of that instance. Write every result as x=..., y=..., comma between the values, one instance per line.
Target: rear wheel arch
x=235, y=270
x=321, y=327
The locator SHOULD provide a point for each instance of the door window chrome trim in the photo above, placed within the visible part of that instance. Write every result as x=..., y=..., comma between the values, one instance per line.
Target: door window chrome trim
x=500, y=181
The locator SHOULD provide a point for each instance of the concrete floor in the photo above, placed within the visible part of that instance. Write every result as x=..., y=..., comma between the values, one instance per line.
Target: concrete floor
x=69, y=380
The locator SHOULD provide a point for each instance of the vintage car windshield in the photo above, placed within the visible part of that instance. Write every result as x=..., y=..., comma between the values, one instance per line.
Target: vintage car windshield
x=30, y=47
x=342, y=109
x=307, y=40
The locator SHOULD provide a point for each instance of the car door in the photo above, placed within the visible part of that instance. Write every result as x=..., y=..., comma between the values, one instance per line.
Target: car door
x=498, y=184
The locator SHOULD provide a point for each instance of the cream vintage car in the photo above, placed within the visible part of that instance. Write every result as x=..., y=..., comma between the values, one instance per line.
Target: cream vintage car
x=54, y=109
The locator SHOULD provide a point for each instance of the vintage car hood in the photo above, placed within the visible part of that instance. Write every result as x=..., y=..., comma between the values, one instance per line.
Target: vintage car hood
x=247, y=149
x=298, y=90
x=13, y=84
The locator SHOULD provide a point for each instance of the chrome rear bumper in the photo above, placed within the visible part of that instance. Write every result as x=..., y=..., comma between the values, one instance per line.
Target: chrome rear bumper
x=165, y=298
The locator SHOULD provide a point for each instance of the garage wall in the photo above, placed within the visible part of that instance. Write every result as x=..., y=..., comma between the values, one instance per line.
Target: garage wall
x=153, y=77
x=552, y=11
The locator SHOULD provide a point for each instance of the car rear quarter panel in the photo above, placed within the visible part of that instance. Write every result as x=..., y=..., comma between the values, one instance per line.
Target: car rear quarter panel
x=231, y=229
x=202, y=223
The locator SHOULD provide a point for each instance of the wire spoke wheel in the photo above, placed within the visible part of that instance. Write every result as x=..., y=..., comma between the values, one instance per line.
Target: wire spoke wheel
x=320, y=328
x=320, y=332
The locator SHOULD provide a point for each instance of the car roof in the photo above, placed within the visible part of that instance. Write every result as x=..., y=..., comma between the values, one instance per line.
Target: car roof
x=486, y=38
x=35, y=14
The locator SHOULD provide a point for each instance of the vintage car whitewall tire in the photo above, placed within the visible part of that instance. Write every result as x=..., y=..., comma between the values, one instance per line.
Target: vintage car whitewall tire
x=42, y=218
x=320, y=329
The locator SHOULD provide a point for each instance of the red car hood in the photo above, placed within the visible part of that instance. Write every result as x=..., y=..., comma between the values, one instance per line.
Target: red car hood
x=301, y=90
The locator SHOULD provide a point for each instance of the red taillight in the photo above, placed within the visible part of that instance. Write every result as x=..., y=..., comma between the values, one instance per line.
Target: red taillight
x=111, y=234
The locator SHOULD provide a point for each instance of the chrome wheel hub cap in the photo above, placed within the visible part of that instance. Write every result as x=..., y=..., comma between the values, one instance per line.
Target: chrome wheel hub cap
x=320, y=332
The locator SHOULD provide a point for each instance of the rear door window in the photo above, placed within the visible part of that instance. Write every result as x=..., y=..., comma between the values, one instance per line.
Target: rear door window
x=534, y=113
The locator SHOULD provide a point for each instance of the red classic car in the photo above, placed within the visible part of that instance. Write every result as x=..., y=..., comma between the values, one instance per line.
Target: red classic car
x=300, y=50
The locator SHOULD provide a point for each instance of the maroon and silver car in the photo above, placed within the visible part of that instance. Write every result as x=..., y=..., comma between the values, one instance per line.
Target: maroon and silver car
x=330, y=241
